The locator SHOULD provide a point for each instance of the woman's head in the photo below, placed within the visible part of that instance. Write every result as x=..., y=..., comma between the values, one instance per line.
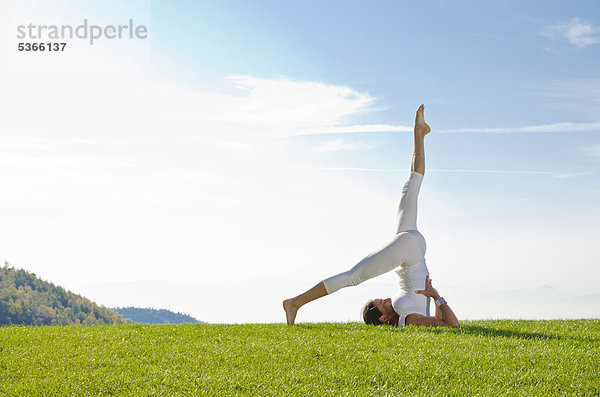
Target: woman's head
x=379, y=311
x=371, y=314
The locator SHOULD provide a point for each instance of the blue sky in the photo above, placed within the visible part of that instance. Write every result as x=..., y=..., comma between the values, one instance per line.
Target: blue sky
x=247, y=150
x=476, y=65
x=393, y=50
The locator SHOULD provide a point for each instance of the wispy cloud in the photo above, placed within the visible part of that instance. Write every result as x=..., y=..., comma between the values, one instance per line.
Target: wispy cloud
x=572, y=96
x=573, y=175
x=592, y=150
x=355, y=169
x=465, y=171
x=286, y=107
x=337, y=145
x=358, y=128
x=458, y=171
x=555, y=127
x=578, y=33
x=540, y=128
x=267, y=107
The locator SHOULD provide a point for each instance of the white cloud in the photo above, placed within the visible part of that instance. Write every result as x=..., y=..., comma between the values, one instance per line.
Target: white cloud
x=360, y=128
x=575, y=31
x=297, y=105
x=246, y=147
x=357, y=169
x=337, y=145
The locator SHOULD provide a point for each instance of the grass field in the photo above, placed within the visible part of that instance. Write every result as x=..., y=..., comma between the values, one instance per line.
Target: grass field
x=544, y=358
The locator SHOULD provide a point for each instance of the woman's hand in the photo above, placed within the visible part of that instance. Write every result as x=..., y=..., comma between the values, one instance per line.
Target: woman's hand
x=444, y=316
x=429, y=291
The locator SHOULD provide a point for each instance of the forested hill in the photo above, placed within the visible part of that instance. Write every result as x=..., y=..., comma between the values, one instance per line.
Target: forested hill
x=154, y=316
x=25, y=299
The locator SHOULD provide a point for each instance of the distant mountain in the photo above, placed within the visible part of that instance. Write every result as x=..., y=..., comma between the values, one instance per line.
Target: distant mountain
x=154, y=316
x=27, y=300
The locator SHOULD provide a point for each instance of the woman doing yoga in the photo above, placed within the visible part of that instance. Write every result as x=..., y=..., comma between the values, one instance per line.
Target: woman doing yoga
x=406, y=251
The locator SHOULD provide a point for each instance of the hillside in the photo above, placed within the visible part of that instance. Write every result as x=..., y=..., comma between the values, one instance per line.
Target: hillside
x=27, y=300
x=482, y=358
x=154, y=316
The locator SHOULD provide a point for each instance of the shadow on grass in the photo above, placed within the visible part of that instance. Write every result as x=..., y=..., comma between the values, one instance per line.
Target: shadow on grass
x=495, y=333
x=477, y=330
x=465, y=329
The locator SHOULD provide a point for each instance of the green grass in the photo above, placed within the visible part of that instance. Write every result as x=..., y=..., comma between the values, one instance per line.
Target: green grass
x=544, y=358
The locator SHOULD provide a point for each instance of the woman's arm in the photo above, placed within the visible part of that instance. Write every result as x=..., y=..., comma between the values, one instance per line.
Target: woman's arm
x=447, y=317
x=438, y=312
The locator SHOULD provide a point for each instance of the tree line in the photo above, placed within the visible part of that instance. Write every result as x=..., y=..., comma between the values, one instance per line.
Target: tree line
x=25, y=299
x=155, y=316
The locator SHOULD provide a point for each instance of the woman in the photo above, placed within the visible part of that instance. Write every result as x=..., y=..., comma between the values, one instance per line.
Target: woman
x=406, y=250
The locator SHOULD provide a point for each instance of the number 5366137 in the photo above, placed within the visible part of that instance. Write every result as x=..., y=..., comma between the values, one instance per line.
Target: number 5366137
x=42, y=46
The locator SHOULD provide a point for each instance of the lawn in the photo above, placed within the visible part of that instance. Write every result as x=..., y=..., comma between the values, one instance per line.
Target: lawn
x=545, y=358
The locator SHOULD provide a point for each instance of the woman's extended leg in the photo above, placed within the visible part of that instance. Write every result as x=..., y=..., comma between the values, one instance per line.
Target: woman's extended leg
x=407, y=211
x=404, y=248
x=387, y=258
x=292, y=305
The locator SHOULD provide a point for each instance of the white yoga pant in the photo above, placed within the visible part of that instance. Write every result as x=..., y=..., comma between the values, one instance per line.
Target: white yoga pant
x=407, y=249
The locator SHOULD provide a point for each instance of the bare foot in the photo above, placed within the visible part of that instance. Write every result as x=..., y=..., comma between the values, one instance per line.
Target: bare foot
x=290, y=311
x=421, y=128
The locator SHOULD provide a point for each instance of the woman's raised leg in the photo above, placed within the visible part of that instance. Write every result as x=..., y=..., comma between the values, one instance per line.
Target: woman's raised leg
x=421, y=129
x=407, y=210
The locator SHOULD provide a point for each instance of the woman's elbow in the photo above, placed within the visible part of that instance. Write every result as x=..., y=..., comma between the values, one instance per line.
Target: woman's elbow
x=452, y=324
